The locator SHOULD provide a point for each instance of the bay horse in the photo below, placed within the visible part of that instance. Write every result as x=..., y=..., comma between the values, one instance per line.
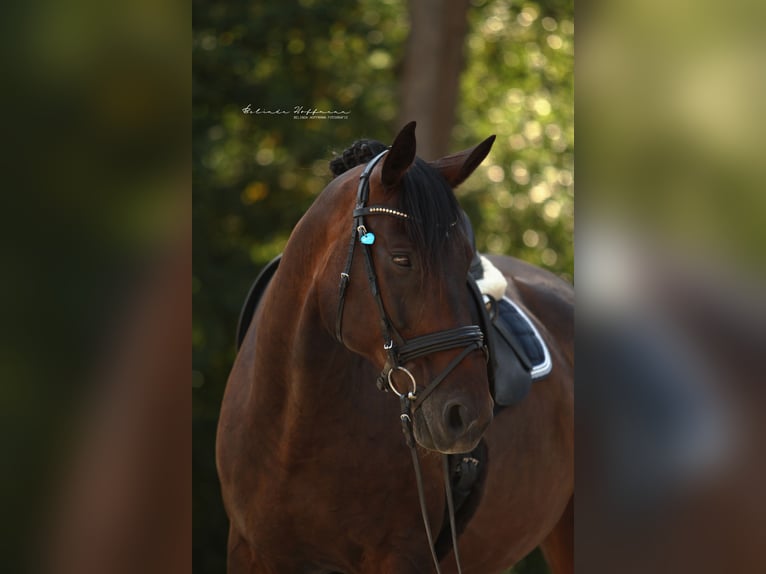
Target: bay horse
x=314, y=471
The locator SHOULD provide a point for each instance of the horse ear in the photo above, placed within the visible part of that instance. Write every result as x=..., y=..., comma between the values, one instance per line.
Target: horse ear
x=400, y=157
x=457, y=167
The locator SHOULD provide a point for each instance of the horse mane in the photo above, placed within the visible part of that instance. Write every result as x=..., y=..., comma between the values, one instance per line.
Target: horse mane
x=359, y=152
x=435, y=216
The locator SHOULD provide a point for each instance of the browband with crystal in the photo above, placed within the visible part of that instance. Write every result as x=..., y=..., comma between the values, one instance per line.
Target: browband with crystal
x=379, y=209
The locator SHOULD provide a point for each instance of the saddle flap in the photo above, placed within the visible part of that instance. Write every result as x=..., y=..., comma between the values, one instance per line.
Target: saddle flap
x=518, y=355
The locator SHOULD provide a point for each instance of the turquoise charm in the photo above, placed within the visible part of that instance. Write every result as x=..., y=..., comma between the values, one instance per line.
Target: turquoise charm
x=368, y=238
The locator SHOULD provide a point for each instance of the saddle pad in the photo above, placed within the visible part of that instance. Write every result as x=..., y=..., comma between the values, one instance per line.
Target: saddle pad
x=253, y=297
x=533, y=345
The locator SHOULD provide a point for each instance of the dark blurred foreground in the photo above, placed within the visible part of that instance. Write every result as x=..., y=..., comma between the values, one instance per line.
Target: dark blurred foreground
x=670, y=410
x=671, y=314
x=95, y=300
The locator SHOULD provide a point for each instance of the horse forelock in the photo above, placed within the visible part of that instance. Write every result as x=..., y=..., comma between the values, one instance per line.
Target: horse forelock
x=436, y=221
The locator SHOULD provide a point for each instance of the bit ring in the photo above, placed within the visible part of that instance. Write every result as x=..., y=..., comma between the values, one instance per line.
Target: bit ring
x=411, y=394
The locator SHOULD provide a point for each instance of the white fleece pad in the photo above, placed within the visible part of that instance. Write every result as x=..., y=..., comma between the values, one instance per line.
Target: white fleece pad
x=493, y=283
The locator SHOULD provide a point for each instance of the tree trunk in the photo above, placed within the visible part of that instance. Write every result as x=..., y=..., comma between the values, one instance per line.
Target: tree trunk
x=431, y=75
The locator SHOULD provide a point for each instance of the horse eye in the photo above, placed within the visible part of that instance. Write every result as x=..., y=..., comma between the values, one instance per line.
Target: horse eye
x=401, y=260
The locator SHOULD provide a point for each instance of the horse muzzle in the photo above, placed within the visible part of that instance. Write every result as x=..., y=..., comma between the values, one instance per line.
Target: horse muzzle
x=451, y=428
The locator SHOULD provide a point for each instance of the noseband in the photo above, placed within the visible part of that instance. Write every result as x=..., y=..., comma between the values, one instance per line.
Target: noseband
x=399, y=350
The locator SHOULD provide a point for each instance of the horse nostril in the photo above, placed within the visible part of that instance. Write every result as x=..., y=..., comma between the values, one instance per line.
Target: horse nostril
x=455, y=417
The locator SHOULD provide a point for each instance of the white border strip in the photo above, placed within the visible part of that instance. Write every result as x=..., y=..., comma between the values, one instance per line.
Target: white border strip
x=545, y=367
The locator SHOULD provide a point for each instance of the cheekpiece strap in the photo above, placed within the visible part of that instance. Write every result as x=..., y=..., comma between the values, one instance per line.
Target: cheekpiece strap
x=363, y=191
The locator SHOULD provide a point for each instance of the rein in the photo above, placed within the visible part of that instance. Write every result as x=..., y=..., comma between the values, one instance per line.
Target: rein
x=401, y=351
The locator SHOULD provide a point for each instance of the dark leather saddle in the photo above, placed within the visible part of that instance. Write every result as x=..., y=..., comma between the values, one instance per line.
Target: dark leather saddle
x=518, y=355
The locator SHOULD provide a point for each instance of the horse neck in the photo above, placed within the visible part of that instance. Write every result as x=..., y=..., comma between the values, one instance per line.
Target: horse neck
x=302, y=375
x=301, y=372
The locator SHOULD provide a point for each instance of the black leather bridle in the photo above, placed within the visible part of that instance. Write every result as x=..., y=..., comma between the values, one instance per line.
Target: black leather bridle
x=399, y=350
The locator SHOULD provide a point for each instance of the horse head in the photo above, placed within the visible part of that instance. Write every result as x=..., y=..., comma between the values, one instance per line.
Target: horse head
x=404, y=304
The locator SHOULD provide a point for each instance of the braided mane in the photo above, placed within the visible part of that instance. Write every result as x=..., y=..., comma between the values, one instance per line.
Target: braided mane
x=359, y=152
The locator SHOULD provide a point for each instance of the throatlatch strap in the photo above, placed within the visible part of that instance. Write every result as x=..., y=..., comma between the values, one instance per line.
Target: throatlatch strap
x=344, y=279
x=362, y=194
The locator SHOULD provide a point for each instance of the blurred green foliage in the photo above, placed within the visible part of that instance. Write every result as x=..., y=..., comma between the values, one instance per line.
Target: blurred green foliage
x=519, y=85
x=255, y=174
